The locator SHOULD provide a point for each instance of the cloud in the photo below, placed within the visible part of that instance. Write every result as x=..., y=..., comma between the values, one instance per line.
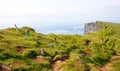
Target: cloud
x=57, y=11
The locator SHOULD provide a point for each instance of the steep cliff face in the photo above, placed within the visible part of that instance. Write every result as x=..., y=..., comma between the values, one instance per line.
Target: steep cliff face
x=91, y=27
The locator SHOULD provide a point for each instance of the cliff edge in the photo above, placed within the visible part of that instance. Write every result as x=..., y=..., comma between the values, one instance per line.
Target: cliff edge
x=91, y=27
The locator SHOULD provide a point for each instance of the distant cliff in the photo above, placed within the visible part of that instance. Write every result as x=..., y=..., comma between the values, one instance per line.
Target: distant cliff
x=91, y=27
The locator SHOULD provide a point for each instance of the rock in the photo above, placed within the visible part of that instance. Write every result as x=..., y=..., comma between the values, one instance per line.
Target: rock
x=42, y=51
x=50, y=45
x=4, y=68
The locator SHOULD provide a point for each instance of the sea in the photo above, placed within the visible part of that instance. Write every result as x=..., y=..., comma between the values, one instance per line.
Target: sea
x=52, y=28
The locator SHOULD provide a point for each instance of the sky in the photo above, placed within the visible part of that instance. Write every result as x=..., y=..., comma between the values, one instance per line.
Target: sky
x=58, y=12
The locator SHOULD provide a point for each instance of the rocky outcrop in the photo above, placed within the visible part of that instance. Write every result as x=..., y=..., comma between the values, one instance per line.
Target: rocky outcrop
x=90, y=27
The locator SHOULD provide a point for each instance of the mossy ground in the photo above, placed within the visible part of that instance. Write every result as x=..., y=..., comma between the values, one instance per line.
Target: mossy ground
x=24, y=54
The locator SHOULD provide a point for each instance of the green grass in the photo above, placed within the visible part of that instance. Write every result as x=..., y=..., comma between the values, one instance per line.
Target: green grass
x=104, y=44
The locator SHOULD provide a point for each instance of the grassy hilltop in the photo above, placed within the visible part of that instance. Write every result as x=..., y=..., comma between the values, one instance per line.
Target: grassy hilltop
x=38, y=52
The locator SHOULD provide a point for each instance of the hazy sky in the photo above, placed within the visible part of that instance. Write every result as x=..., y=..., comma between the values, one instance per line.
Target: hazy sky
x=46, y=12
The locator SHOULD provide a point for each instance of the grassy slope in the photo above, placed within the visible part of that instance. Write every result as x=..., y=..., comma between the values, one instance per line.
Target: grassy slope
x=20, y=54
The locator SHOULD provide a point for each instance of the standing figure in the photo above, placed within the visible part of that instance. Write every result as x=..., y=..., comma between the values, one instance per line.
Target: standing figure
x=16, y=27
x=55, y=39
x=27, y=33
x=42, y=51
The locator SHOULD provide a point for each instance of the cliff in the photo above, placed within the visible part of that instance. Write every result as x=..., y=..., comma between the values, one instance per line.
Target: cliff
x=91, y=27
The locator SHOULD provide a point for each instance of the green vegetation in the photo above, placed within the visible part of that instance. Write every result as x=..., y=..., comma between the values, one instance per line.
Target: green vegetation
x=39, y=52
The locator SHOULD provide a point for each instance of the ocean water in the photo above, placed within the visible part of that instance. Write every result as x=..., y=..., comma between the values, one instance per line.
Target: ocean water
x=47, y=29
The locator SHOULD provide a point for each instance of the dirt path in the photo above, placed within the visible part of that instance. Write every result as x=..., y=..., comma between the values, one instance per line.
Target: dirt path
x=21, y=49
x=39, y=59
x=57, y=64
x=109, y=65
x=103, y=69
